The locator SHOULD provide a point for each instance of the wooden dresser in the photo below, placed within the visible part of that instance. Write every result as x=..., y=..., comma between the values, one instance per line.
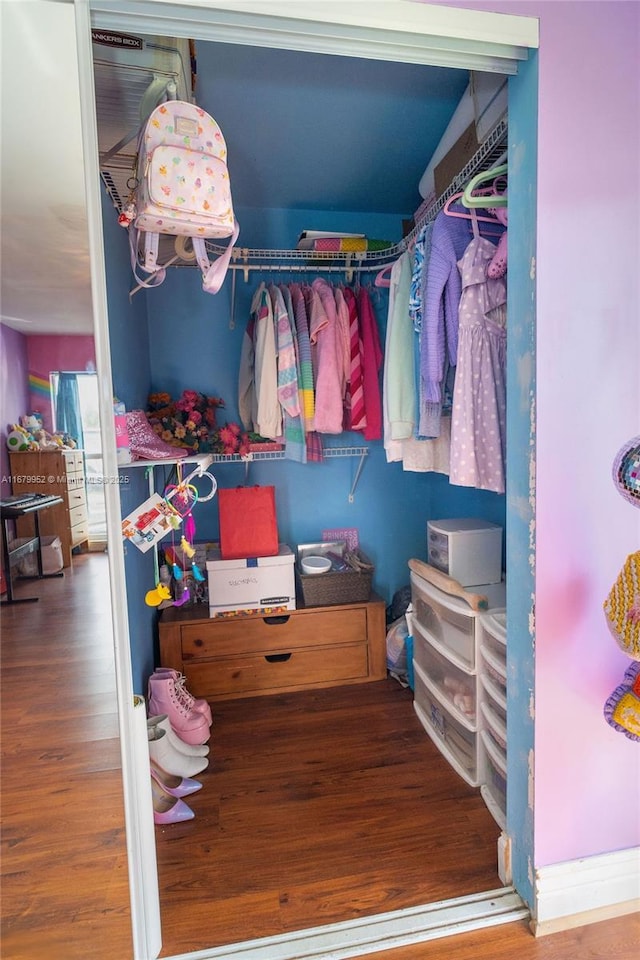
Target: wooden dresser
x=59, y=472
x=223, y=659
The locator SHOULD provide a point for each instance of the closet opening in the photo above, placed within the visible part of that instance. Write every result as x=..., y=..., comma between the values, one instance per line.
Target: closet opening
x=268, y=226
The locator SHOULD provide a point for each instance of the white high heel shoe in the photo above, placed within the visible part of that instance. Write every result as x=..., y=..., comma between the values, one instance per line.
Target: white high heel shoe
x=168, y=758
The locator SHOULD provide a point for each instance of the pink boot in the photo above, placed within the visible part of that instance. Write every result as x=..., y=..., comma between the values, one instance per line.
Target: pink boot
x=165, y=697
x=200, y=706
x=145, y=444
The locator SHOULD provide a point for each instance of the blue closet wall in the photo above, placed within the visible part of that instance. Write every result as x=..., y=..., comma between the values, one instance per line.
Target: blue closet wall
x=131, y=372
x=177, y=337
x=195, y=342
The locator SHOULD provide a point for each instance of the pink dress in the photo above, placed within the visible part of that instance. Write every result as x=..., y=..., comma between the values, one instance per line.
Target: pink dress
x=478, y=418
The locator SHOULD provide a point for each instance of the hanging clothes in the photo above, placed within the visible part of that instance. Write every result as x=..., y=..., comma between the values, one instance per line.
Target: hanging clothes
x=323, y=335
x=343, y=350
x=356, y=416
x=399, y=391
x=288, y=396
x=305, y=380
x=421, y=254
x=258, y=402
x=372, y=362
x=439, y=344
x=478, y=419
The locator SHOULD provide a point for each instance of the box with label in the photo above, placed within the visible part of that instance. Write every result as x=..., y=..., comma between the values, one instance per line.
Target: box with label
x=264, y=584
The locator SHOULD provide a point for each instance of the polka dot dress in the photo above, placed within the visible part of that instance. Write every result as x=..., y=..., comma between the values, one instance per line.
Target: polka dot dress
x=478, y=419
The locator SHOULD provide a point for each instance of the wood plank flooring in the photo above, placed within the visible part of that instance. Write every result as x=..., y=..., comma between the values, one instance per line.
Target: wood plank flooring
x=318, y=807
x=284, y=837
x=64, y=868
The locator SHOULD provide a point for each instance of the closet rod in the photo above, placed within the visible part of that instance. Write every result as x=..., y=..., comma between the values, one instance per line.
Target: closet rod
x=347, y=268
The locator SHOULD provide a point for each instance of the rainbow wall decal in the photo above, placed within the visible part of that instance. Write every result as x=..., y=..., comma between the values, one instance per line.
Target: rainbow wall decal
x=40, y=385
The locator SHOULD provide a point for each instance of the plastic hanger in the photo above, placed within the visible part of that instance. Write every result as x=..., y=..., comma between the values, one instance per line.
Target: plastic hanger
x=498, y=200
x=468, y=216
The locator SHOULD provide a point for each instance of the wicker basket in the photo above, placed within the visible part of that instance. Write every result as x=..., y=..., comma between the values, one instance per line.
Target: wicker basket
x=329, y=589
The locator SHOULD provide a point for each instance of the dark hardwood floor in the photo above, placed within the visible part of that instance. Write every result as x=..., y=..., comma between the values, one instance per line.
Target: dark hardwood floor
x=318, y=807
x=64, y=866
x=294, y=827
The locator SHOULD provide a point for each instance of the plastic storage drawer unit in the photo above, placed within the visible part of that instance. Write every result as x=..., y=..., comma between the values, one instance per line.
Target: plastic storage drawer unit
x=456, y=687
x=492, y=634
x=448, y=621
x=493, y=774
x=455, y=741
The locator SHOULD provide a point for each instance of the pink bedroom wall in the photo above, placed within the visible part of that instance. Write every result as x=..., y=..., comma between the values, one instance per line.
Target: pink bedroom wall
x=46, y=353
x=587, y=407
x=13, y=392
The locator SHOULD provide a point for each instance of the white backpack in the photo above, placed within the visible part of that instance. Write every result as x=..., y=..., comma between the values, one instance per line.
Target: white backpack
x=183, y=190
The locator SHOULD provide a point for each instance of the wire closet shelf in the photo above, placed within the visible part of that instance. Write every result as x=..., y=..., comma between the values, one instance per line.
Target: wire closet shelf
x=490, y=153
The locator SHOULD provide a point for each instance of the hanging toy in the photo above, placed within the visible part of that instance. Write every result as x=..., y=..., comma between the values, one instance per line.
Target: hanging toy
x=190, y=527
x=154, y=598
x=186, y=548
x=177, y=572
x=183, y=599
x=128, y=215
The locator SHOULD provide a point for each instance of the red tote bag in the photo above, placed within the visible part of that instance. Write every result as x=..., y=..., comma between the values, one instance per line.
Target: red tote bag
x=248, y=525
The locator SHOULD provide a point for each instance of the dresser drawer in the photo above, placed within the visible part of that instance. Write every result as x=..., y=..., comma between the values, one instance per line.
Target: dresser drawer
x=74, y=460
x=76, y=498
x=80, y=533
x=224, y=638
x=77, y=515
x=75, y=481
x=276, y=672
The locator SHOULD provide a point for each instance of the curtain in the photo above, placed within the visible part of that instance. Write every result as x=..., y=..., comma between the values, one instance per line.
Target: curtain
x=68, y=419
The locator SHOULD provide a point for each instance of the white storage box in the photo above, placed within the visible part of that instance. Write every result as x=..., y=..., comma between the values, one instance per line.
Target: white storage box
x=468, y=550
x=52, y=560
x=454, y=740
x=260, y=583
x=456, y=687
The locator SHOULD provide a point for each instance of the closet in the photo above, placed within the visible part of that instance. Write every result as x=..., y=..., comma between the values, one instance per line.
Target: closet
x=388, y=504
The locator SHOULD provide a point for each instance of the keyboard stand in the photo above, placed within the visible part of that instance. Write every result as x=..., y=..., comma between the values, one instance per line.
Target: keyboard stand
x=11, y=556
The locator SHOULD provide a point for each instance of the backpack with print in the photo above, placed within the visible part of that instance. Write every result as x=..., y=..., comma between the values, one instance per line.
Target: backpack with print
x=182, y=189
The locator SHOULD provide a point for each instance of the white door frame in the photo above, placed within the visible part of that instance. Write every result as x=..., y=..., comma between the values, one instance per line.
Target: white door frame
x=401, y=30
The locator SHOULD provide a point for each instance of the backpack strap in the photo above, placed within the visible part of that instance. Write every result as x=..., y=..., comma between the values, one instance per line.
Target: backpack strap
x=213, y=274
x=158, y=274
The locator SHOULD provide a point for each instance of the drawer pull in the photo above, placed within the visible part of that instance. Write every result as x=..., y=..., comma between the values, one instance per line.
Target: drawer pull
x=270, y=621
x=277, y=657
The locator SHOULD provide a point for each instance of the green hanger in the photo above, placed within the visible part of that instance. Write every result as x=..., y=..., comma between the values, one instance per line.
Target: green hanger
x=470, y=201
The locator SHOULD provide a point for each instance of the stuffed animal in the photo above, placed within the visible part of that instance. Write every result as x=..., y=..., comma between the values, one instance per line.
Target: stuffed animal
x=45, y=441
x=19, y=439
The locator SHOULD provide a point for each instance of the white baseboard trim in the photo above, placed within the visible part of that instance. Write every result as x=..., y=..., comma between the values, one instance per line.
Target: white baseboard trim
x=584, y=891
x=386, y=931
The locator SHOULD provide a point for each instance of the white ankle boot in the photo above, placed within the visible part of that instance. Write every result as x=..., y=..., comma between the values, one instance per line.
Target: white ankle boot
x=168, y=758
x=189, y=750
